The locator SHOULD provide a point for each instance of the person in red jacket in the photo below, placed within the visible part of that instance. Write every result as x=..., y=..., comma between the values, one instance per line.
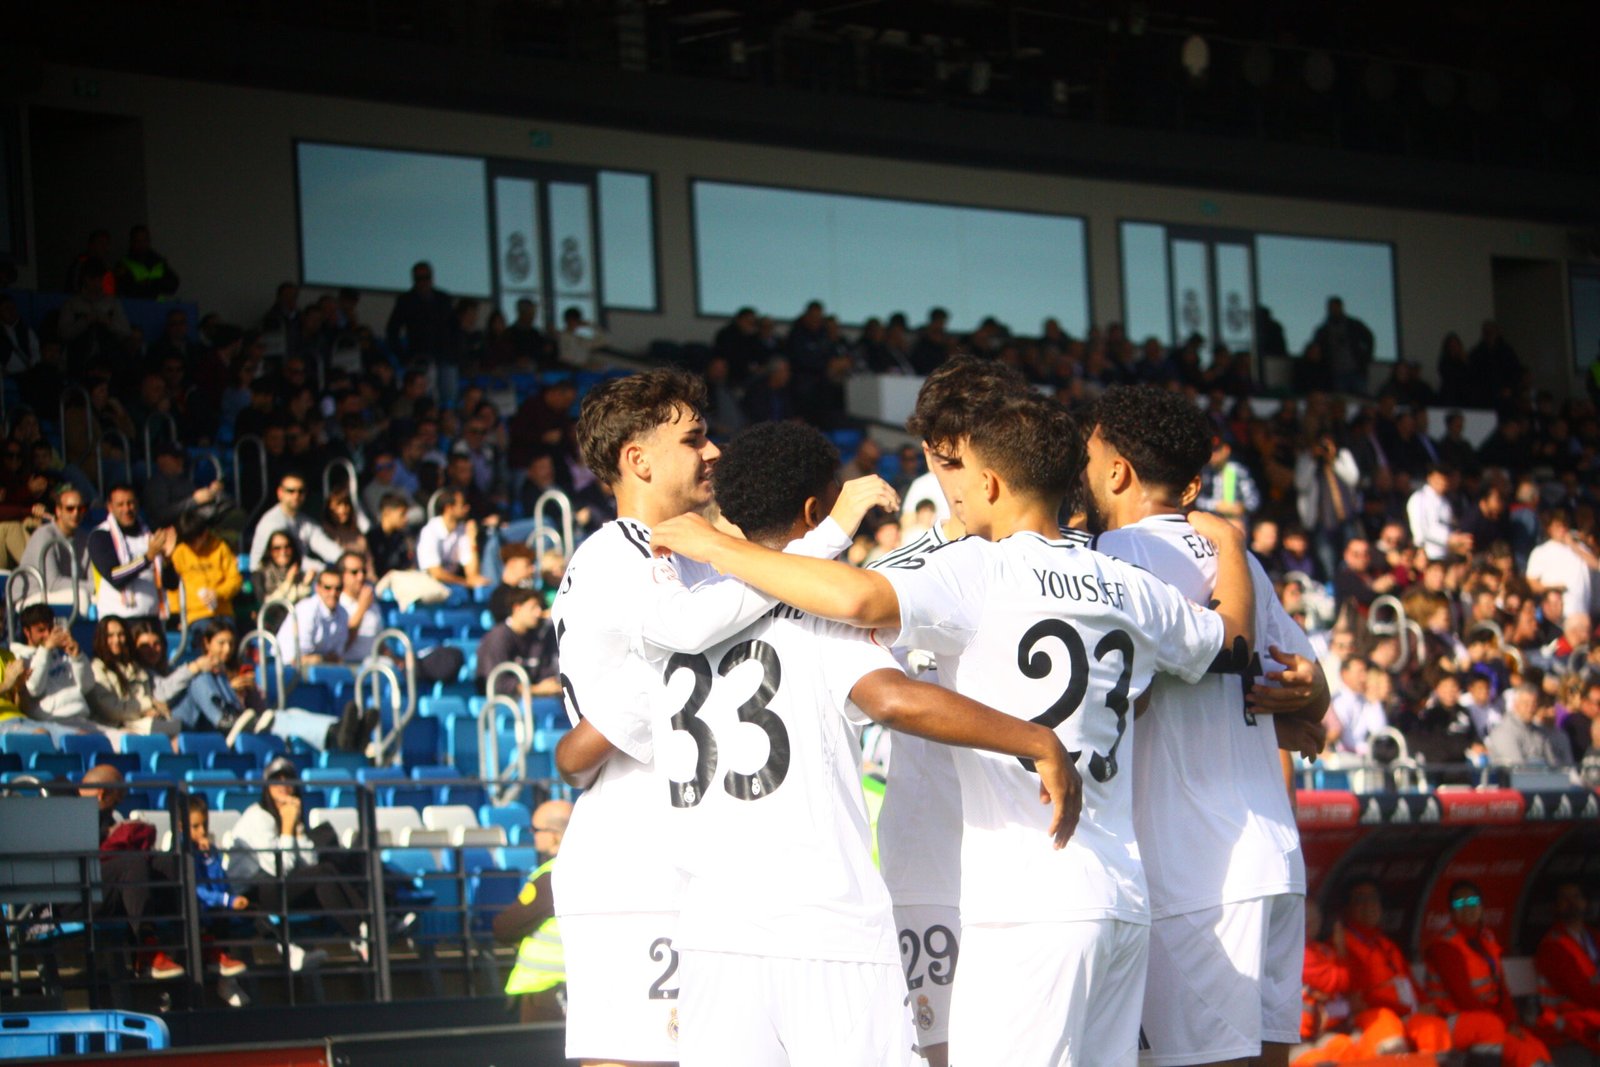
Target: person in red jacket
x=1465, y=976
x=1325, y=1017
x=1380, y=976
x=1568, y=962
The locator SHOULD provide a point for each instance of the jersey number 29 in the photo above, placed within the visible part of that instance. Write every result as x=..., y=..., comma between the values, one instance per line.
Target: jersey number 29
x=755, y=710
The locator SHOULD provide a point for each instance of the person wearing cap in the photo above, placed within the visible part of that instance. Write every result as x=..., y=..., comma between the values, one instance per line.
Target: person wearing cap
x=277, y=861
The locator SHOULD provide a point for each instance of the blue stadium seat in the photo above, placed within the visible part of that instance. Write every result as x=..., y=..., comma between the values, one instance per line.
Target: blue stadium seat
x=327, y=775
x=491, y=891
x=87, y=746
x=472, y=796
x=213, y=784
x=463, y=690
x=57, y=1033
x=431, y=771
x=549, y=713
x=471, y=859
x=510, y=815
x=381, y=774
x=26, y=745
x=523, y=860
x=125, y=762
x=329, y=674
x=347, y=761
x=173, y=765
x=264, y=747
x=241, y=764
x=441, y=707
x=405, y=796
x=146, y=747
x=420, y=745
x=58, y=764
x=462, y=744
x=314, y=696
x=201, y=744
x=11, y=761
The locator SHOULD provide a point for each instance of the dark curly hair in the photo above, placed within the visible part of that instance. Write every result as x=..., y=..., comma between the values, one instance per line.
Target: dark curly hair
x=1033, y=443
x=1163, y=435
x=621, y=409
x=959, y=395
x=768, y=471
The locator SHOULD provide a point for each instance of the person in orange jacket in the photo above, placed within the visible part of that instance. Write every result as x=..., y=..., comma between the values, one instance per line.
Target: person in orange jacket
x=1465, y=976
x=1326, y=1014
x=1568, y=962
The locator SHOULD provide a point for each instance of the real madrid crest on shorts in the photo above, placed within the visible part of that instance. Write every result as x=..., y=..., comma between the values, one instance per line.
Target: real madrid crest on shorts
x=924, y=1013
x=672, y=1025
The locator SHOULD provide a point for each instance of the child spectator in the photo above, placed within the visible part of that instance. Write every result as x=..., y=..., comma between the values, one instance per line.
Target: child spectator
x=211, y=887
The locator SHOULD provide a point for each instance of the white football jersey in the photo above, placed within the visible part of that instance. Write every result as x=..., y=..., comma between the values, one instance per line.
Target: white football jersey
x=619, y=615
x=919, y=828
x=769, y=824
x=1210, y=807
x=1047, y=630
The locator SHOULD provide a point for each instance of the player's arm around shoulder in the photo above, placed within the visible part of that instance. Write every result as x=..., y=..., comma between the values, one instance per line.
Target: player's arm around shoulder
x=939, y=714
x=581, y=753
x=1234, y=598
x=821, y=587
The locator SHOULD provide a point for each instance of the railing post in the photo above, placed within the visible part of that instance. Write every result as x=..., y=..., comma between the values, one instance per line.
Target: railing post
x=378, y=930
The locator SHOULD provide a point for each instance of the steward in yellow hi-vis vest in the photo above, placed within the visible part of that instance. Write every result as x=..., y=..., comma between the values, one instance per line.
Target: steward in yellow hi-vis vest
x=539, y=977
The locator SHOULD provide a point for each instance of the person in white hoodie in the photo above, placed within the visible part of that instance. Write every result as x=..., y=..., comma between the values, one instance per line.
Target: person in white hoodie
x=59, y=676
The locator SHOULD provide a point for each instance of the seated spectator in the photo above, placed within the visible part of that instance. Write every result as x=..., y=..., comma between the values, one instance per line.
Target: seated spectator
x=516, y=572
x=276, y=862
x=170, y=491
x=1465, y=976
x=525, y=638
x=318, y=631
x=208, y=568
x=19, y=343
x=339, y=523
x=59, y=675
x=286, y=516
x=1568, y=962
x=1441, y=735
x=1583, y=712
x=123, y=694
x=357, y=596
x=92, y=323
x=391, y=544
x=216, y=898
x=1325, y=1014
x=1527, y=736
x=144, y=273
x=220, y=696
x=13, y=672
x=1564, y=561
x=1359, y=580
x=278, y=575
x=130, y=561
x=447, y=549
x=1356, y=712
x=59, y=549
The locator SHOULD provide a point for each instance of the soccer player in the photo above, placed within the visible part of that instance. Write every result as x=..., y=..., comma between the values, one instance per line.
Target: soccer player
x=786, y=932
x=1211, y=809
x=919, y=828
x=616, y=889
x=1054, y=942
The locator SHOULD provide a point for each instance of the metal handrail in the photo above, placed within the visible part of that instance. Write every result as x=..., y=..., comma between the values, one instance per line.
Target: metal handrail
x=88, y=416
x=1417, y=645
x=504, y=781
x=352, y=484
x=1396, y=628
x=1576, y=661
x=215, y=458
x=261, y=624
x=540, y=535
x=75, y=573
x=563, y=505
x=388, y=746
x=262, y=637
x=100, y=457
x=149, y=442
x=434, y=499
x=1494, y=627
x=376, y=667
x=11, y=606
x=238, y=471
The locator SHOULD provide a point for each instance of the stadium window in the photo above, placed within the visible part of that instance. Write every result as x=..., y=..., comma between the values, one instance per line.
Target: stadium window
x=1146, y=307
x=1585, y=315
x=628, y=241
x=368, y=214
x=1296, y=276
x=776, y=249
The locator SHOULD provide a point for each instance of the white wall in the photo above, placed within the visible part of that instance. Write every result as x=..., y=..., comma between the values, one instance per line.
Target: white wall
x=221, y=191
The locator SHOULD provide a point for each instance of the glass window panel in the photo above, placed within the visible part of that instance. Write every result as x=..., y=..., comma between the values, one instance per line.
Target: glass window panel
x=1191, y=290
x=1299, y=274
x=572, y=250
x=1585, y=319
x=367, y=214
x=1146, y=305
x=627, y=241
x=1235, y=305
x=516, y=215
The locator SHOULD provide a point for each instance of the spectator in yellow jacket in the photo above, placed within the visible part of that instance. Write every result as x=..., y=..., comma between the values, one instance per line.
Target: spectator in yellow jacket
x=209, y=569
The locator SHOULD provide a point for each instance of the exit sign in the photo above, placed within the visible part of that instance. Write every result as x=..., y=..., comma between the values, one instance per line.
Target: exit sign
x=86, y=88
x=539, y=139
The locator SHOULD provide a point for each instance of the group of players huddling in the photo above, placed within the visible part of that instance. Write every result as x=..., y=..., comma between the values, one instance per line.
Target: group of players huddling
x=1058, y=886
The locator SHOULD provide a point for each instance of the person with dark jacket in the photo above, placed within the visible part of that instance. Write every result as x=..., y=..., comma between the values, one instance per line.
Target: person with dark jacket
x=144, y=274
x=1441, y=735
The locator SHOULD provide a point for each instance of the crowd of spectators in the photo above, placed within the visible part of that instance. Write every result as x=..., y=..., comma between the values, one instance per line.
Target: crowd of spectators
x=1488, y=545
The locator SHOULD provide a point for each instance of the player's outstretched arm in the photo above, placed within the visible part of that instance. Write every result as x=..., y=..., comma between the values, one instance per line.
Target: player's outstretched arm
x=821, y=587
x=1235, y=595
x=580, y=754
x=939, y=714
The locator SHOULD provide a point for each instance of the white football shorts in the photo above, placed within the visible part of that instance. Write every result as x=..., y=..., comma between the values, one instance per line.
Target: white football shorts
x=929, y=945
x=771, y=1011
x=1223, y=980
x=622, y=986
x=1051, y=994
